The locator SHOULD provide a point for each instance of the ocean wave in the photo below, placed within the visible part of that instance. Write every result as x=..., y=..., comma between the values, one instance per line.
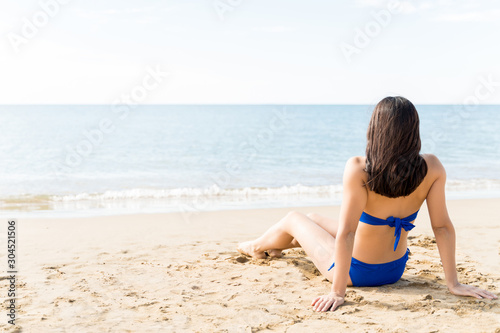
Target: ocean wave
x=217, y=193
x=473, y=185
x=211, y=198
x=210, y=192
x=174, y=200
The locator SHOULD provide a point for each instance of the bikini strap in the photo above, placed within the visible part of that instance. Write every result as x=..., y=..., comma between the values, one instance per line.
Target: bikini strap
x=393, y=222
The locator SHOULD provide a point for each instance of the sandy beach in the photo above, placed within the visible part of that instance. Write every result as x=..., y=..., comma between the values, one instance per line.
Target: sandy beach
x=181, y=273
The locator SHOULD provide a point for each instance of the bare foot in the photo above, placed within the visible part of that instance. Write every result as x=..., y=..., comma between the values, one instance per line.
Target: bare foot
x=247, y=248
x=275, y=253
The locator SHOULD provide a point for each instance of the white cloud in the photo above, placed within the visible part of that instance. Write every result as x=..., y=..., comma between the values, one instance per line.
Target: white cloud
x=404, y=6
x=4, y=28
x=9, y=20
x=446, y=10
x=478, y=16
x=106, y=13
x=412, y=6
x=407, y=7
x=274, y=29
x=140, y=15
x=371, y=3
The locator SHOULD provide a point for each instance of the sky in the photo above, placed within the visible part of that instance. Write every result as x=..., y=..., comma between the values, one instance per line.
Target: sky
x=249, y=52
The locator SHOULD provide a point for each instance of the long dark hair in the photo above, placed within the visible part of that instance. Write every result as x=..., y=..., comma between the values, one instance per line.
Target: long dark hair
x=393, y=162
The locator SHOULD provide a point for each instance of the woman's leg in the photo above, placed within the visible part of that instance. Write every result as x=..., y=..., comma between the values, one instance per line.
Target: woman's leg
x=330, y=225
x=318, y=243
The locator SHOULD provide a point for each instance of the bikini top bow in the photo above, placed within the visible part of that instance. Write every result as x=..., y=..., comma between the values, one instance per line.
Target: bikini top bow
x=399, y=224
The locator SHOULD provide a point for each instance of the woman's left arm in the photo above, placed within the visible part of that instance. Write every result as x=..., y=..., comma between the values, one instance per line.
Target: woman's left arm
x=445, y=234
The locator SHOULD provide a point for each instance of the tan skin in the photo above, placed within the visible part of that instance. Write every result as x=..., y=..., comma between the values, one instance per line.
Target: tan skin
x=326, y=241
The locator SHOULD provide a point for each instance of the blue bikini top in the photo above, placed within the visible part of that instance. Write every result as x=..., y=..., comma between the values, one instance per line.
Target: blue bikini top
x=393, y=222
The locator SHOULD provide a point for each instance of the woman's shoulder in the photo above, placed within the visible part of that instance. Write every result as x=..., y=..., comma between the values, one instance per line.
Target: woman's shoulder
x=356, y=163
x=434, y=165
x=356, y=167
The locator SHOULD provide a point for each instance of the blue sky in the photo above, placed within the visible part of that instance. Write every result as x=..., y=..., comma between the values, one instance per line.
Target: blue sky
x=259, y=51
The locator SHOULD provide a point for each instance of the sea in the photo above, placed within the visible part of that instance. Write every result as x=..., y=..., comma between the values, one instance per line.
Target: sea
x=87, y=160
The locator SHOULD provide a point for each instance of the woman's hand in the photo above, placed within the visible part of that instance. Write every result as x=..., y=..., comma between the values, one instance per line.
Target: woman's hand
x=465, y=290
x=327, y=302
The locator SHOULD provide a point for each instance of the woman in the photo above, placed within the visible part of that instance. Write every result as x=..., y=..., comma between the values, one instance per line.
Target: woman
x=384, y=191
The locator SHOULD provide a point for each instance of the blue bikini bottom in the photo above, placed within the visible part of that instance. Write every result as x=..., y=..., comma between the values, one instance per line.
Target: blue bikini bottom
x=371, y=275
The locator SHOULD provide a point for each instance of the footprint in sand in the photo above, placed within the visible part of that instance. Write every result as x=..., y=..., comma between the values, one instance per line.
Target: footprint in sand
x=242, y=259
x=238, y=259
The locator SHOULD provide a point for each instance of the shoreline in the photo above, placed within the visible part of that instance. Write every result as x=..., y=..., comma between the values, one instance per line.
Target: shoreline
x=154, y=272
x=119, y=207
x=466, y=222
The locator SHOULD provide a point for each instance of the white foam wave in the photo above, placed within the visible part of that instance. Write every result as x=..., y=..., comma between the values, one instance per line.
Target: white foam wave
x=211, y=192
x=252, y=193
x=473, y=185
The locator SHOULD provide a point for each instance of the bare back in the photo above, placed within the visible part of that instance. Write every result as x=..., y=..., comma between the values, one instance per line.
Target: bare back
x=375, y=244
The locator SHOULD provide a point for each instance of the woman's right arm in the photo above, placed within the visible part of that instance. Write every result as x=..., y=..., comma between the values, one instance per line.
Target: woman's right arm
x=445, y=233
x=354, y=200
